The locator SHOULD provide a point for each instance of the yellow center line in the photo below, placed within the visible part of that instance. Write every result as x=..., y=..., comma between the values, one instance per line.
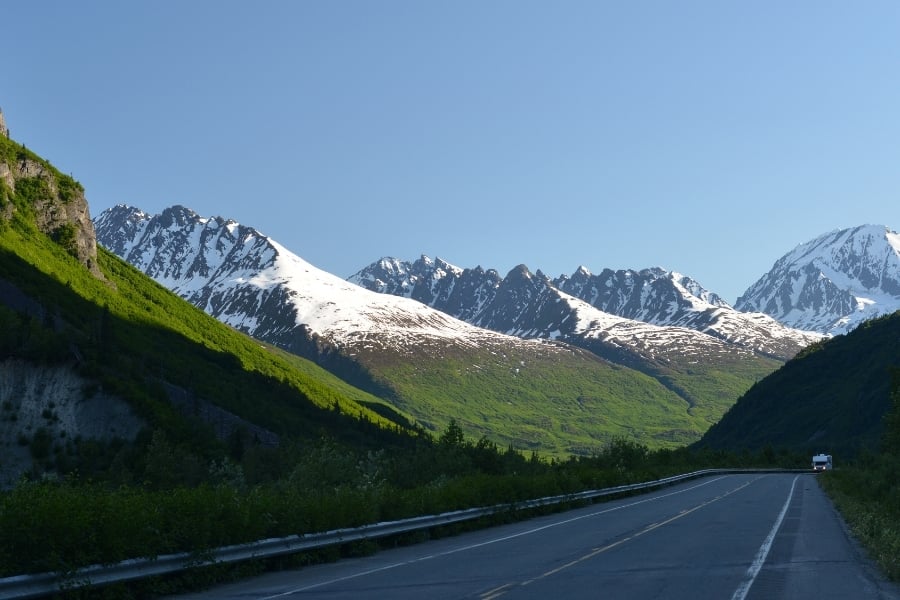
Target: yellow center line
x=647, y=529
x=496, y=592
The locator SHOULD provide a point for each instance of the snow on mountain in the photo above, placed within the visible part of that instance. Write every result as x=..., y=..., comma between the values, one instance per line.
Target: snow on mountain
x=668, y=298
x=251, y=282
x=645, y=303
x=520, y=334
x=529, y=306
x=462, y=293
x=832, y=283
x=648, y=340
x=254, y=284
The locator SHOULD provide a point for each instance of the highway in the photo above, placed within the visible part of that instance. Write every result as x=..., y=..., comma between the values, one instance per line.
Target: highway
x=748, y=536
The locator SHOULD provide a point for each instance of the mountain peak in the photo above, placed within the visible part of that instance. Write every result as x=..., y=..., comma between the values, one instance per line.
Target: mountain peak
x=391, y=264
x=520, y=271
x=833, y=282
x=442, y=264
x=126, y=211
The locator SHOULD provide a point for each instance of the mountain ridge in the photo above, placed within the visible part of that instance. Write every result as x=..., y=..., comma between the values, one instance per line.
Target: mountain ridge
x=381, y=340
x=653, y=297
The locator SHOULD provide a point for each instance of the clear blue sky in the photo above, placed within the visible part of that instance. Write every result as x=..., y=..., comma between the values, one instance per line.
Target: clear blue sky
x=708, y=138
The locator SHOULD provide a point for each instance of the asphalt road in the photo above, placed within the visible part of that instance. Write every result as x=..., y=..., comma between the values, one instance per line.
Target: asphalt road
x=759, y=536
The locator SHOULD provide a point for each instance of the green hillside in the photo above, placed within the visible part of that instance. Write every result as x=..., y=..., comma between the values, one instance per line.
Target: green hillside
x=557, y=402
x=832, y=397
x=134, y=339
x=709, y=384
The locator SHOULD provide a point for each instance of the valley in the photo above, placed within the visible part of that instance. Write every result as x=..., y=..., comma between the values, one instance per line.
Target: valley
x=197, y=384
x=514, y=359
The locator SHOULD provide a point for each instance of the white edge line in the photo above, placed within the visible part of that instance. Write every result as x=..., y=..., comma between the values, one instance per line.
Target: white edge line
x=741, y=592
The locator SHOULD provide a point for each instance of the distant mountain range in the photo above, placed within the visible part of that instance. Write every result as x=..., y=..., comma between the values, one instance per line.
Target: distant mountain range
x=396, y=328
x=378, y=341
x=245, y=279
x=653, y=310
x=828, y=286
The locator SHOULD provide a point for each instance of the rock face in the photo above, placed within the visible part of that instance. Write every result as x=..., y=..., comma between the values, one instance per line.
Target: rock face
x=56, y=405
x=57, y=200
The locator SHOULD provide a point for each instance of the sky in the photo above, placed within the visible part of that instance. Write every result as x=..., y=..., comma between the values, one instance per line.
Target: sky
x=704, y=137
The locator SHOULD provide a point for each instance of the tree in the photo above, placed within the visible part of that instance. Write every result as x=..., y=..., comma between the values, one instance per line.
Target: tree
x=453, y=435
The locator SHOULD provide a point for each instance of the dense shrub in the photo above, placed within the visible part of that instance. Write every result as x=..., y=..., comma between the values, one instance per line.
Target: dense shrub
x=867, y=492
x=309, y=487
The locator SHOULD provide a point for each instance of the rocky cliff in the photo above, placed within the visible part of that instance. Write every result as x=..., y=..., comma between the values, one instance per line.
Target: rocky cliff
x=56, y=201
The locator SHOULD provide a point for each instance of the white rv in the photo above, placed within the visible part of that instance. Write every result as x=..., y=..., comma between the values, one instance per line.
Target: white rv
x=821, y=462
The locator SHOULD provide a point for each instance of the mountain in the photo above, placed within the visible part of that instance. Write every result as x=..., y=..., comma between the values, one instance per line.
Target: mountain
x=830, y=398
x=662, y=324
x=832, y=283
x=519, y=303
x=254, y=284
x=99, y=365
x=538, y=393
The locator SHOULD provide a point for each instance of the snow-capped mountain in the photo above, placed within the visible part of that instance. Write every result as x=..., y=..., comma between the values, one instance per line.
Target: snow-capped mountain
x=832, y=283
x=521, y=334
x=668, y=298
x=651, y=304
x=254, y=284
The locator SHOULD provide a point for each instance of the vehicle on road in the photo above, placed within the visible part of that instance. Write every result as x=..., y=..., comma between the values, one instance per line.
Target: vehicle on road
x=821, y=462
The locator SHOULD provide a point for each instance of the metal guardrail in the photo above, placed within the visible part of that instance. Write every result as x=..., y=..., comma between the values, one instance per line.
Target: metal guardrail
x=33, y=586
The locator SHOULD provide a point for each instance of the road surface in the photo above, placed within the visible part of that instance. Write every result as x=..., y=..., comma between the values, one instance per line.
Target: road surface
x=739, y=537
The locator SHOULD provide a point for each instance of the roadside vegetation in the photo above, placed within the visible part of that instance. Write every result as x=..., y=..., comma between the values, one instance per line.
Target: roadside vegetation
x=867, y=493
x=166, y=498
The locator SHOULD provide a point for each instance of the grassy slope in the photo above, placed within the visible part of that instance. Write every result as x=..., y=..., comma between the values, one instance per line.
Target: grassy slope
x=567, y=403
x=554, y=402
x=712, y=386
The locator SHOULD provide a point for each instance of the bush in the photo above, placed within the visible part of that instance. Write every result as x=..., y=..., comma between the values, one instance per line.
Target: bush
x=66, y=236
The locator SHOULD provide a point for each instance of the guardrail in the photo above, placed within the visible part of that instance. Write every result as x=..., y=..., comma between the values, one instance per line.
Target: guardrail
x=33, y=586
